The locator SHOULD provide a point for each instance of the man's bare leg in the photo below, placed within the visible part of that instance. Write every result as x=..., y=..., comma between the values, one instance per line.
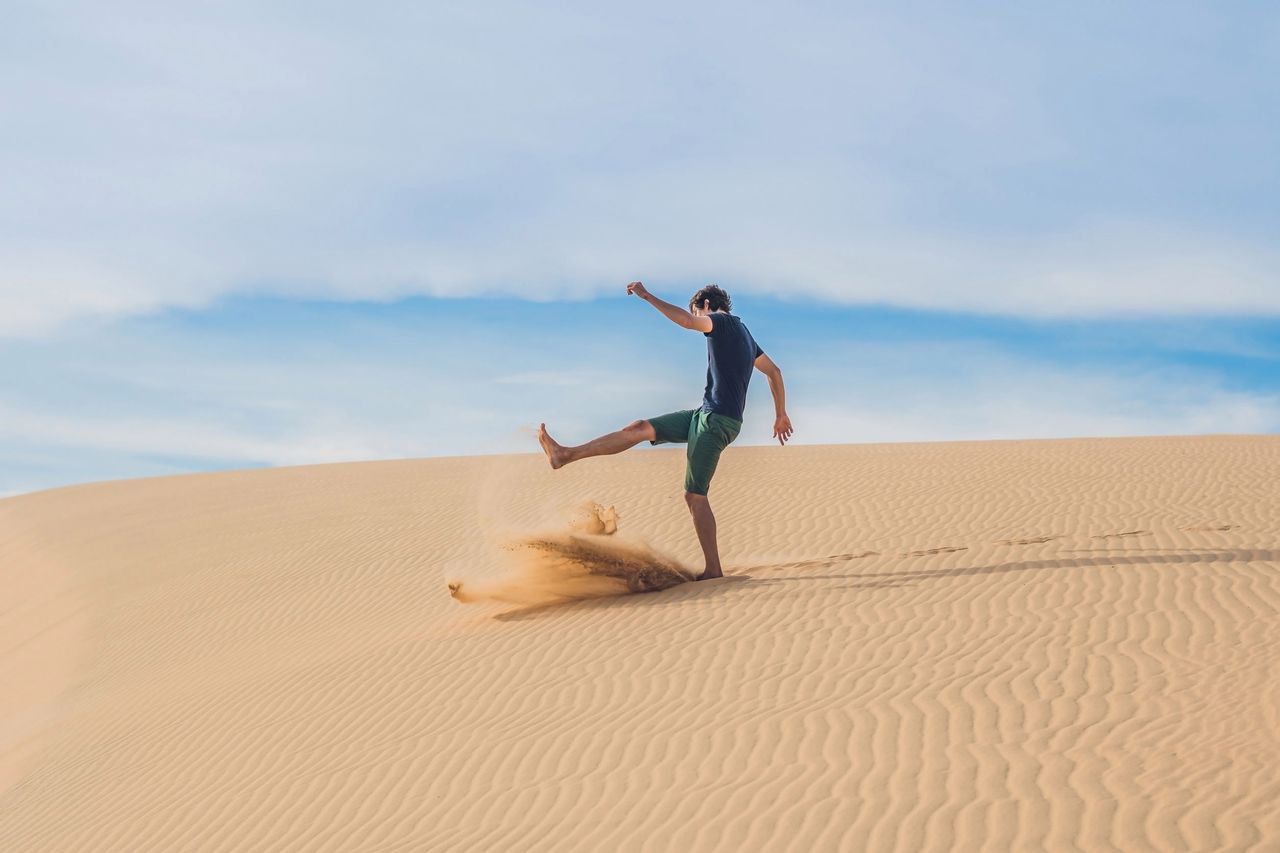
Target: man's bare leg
x=615, y=442
x=704, y=521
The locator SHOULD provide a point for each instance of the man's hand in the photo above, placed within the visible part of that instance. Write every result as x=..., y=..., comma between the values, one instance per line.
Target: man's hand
x=782, y=428
x=637, y=289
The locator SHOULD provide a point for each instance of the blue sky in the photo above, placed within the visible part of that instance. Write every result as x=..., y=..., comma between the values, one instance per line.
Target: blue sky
x=241, y=236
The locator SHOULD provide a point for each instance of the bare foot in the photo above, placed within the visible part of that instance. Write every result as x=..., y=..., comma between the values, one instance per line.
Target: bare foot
x=709, y=575
x=555, y=451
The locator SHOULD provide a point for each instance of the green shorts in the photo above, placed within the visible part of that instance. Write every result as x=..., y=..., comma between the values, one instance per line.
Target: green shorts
x=707, y=433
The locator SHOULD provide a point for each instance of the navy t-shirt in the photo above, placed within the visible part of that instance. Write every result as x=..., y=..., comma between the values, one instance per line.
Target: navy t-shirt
x=731, y=355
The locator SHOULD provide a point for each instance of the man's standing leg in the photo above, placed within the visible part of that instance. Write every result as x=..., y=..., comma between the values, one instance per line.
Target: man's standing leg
x=709, y=435
x=615, y=442
x=704, y=522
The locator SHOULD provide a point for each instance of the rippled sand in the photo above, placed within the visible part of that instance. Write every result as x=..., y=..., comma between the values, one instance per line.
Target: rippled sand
x=1039, y=645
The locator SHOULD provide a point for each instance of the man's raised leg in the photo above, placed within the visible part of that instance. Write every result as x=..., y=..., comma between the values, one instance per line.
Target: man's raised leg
x=704, y=521
x=615, y=442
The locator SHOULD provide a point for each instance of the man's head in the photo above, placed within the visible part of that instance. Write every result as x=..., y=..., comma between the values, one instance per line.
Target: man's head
x=714, y=297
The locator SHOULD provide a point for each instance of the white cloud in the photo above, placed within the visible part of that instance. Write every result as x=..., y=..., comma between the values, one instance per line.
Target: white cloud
x=158, y=157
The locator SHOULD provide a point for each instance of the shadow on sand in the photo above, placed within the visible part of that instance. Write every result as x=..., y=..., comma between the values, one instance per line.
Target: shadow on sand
x=707, y=590
x=1179, y=557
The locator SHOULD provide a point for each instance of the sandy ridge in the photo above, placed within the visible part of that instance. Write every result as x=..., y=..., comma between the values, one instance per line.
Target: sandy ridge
x=1000, y=645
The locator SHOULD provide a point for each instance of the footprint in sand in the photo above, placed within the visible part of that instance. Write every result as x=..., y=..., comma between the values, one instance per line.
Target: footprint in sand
x=820, y=562
x=1034, y=540
x=943, y=550
x=1213, y=527
x=1125, y=533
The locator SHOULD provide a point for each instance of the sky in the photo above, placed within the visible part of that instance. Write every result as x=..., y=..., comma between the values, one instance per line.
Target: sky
x=236, y=235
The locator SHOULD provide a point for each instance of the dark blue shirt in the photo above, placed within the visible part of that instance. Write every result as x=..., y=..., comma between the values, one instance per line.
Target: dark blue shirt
x=731, y=354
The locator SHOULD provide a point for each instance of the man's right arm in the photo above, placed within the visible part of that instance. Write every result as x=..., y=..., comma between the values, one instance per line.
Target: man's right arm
x=674, y=313
x=781, y=423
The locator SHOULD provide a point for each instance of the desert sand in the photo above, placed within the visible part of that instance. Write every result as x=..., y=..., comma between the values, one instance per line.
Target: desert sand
x=1038, y=645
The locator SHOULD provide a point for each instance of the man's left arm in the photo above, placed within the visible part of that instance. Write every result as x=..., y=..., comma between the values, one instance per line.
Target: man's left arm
x=675, y=314
x=781, y=423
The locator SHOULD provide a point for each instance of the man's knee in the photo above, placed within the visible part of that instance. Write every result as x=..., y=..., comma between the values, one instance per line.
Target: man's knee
x=640, y=430
x=695, y=500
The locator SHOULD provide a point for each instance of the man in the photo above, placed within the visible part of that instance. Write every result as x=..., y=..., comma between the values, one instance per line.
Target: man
x=731, y=353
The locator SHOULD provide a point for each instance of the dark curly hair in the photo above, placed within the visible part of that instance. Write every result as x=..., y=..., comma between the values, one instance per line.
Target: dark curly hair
x=719, y=300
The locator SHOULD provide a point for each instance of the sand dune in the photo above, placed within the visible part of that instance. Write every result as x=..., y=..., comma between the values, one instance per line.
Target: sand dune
x=1042, y=645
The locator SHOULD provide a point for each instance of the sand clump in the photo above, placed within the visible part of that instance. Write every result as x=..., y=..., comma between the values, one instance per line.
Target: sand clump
x=594, y=518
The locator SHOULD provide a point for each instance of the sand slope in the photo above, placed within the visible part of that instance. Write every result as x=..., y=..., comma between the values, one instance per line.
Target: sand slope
x=990, y=645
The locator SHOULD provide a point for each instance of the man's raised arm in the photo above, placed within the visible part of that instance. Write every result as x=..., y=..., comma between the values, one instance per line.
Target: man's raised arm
x=675, y=314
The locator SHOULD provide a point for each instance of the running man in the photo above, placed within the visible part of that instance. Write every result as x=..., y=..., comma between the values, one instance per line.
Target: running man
x=709, y=429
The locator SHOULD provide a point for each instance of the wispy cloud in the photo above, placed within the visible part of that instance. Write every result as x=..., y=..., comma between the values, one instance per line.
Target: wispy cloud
x=204, y=391
x=982, y=398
